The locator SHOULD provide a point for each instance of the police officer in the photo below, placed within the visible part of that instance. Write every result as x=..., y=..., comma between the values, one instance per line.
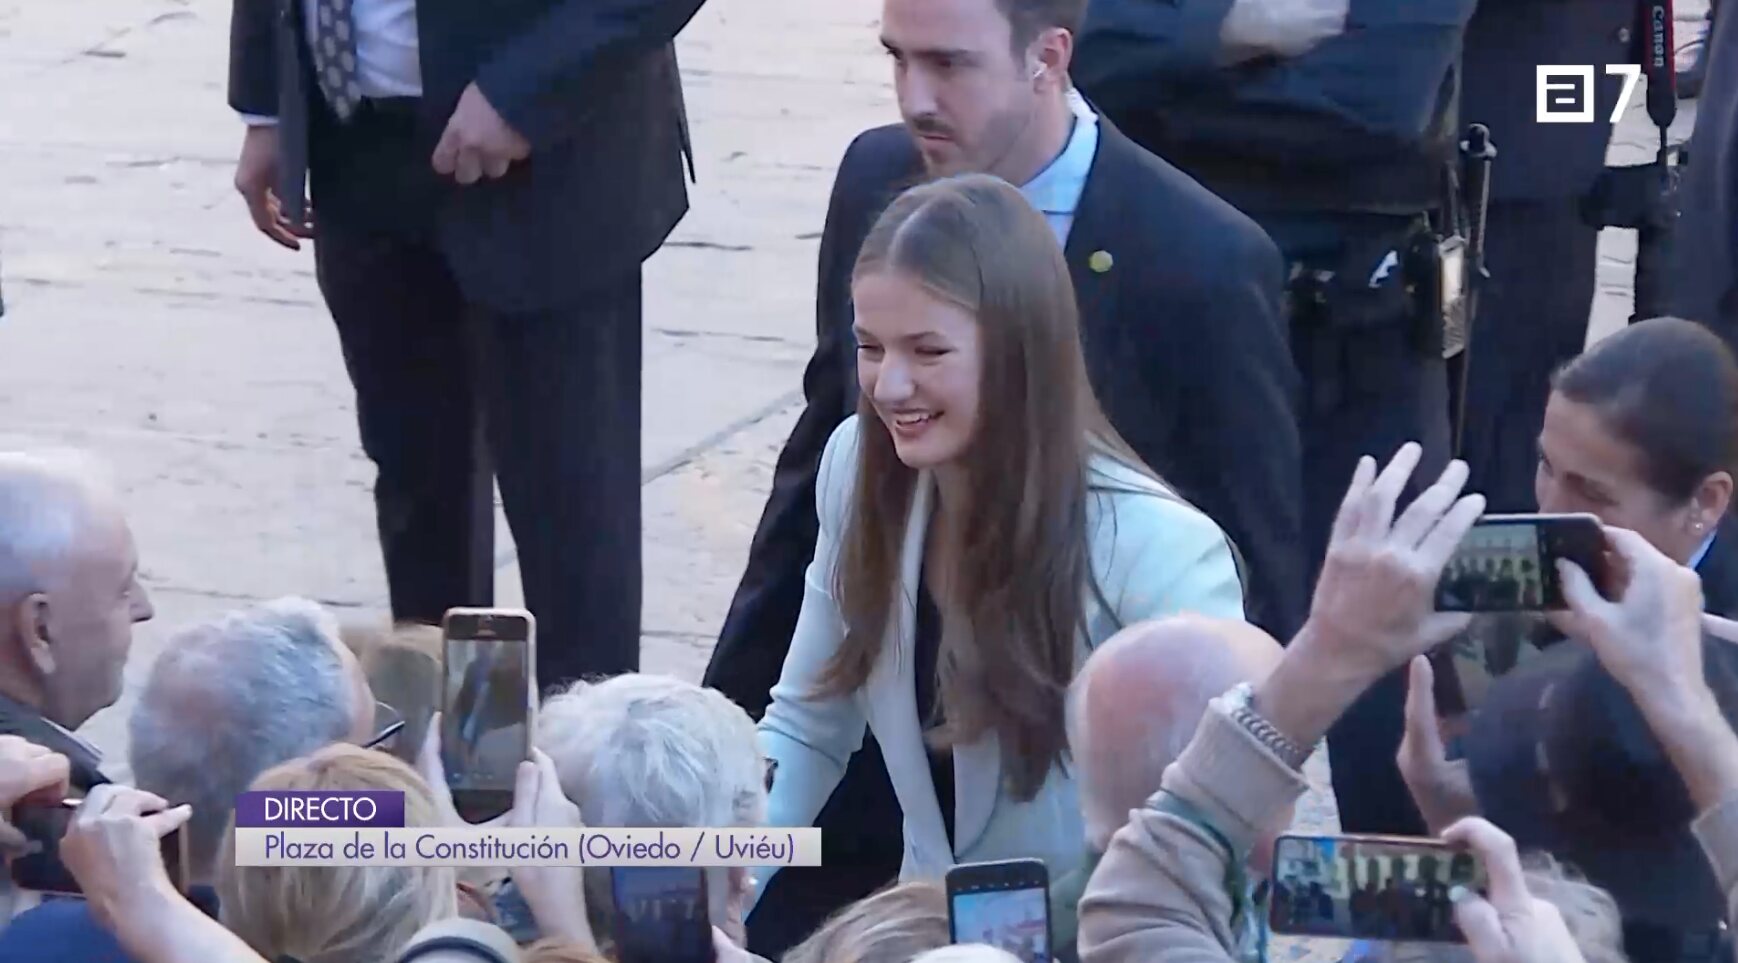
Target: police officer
x=1541, y=253
x=1333, y=124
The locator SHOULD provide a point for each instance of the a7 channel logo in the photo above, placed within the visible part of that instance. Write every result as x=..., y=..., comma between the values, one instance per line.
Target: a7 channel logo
x=1566, y=92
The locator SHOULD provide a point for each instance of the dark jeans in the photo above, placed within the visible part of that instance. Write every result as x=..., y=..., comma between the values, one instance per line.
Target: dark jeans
x=451, y=393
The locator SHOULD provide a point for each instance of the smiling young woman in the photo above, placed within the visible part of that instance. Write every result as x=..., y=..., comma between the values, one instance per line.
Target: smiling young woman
x=982, y=527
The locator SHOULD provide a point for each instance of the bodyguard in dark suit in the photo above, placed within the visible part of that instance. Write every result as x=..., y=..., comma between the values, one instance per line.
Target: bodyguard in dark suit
x=1541, y=254
x=1182, y=324
x=488, y=179
x=1331, y=123
x=1705, y=276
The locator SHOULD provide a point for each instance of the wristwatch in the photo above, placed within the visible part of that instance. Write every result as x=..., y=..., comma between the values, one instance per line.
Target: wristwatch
x=1239, y=705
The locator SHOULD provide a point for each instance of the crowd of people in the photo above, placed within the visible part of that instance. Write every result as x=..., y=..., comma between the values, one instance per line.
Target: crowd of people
x=1123, y=484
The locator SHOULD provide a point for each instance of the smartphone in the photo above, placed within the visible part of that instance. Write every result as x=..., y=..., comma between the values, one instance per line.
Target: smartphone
x=1508, y=563
x=488, y=706
x=40, y=869
x=1004, y=904
x=661, y=914
x=1369, y=887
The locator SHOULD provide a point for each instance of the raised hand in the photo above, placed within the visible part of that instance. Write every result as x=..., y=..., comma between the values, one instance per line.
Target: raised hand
x=1442, y=789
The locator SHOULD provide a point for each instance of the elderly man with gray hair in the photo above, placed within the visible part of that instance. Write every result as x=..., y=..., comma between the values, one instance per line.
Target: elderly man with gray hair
x=651, y=750
x=69, y=597
x=236, y=696
x=1132, y=709
x=227, y=700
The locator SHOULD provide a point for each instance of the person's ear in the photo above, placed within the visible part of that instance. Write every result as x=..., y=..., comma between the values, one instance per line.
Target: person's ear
x=30, y=625
x=1050, y=55
x=1713, y=498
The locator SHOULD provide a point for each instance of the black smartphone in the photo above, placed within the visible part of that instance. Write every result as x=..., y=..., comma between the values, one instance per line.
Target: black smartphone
x=1508, y=563
x=1004, y=904
x=661, y=914
x=40, y=869
x=488, y=706
x=1369, y=887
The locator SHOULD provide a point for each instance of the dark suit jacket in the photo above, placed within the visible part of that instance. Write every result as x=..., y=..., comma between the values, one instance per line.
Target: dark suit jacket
x=1705, y=281
x=1505, y=43
x=592, y=84
x=18, y=719
x=1360, y=123
x=1186, y=347
x=1719, y=571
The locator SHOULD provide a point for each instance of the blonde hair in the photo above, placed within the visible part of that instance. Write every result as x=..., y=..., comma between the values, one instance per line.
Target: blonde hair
x=403, y=666
x=337, y=914
x=892, y=926
x=560, y=951
x=1589, y=912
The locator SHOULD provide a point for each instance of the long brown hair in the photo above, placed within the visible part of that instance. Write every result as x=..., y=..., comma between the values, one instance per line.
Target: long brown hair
x=1018, y=589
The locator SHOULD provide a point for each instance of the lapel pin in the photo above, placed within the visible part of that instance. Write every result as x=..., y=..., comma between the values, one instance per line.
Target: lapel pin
x=1100, y=262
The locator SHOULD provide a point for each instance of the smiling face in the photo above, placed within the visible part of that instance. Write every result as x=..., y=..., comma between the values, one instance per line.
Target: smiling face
x=919, y=365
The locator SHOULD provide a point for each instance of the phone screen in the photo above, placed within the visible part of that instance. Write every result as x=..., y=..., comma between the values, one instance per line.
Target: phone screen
x=40, y=869
x=661, y=914
x=486, y=708
x=1508, y=563
x=1005, y=905
x=1351, y=887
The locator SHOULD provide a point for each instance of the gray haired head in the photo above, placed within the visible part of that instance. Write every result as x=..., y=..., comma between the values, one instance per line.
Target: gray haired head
x=47, y=502
x=233, y=697
x=654, y=751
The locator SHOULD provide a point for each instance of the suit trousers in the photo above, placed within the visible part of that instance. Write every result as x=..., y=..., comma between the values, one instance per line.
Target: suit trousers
x=452, y=394
x=1532, y=317
x=1368, y=390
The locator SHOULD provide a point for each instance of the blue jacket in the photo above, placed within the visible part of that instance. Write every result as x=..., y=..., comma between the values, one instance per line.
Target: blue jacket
x=63, y=931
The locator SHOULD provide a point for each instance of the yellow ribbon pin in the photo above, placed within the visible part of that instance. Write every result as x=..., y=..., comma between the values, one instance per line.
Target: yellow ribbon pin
x=1100, y=262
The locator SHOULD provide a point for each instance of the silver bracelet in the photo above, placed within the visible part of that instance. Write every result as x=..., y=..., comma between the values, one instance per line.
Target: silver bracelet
x=1243, y=713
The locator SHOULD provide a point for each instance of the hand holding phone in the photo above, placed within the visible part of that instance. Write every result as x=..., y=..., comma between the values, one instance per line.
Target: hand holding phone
x=488, y=705
x=112, y=845
x=1508, y=563
x=1369, y=887
x=1002, y=904
x=1506, y=921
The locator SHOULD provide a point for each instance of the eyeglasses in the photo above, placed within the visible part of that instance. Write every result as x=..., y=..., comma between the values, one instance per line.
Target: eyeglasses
x=388, y=723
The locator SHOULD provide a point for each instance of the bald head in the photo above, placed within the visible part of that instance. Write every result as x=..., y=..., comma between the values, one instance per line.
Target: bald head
x=69, y=592
x=1136, y=704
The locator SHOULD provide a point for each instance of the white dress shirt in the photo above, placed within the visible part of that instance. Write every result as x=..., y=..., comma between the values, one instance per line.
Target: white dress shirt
x=386, y=48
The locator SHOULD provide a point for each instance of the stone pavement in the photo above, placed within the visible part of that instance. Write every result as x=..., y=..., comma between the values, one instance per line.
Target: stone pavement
x=149, y=323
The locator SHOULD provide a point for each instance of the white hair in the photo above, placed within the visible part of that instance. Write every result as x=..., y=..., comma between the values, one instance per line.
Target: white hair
x=652, y=750
x=968, y=953
x=649, y=751
x=233, y=697
x=46, y=502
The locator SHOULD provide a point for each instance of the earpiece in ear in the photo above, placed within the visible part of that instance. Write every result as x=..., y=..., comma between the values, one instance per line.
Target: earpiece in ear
x=1037, y=71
